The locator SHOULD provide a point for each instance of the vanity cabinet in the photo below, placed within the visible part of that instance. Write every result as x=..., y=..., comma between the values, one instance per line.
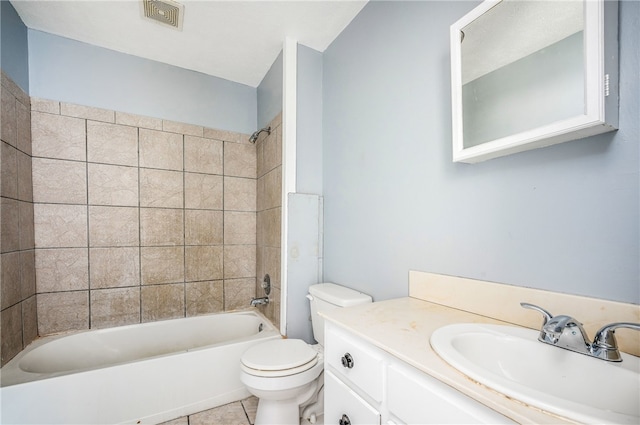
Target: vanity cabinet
x=366, y=385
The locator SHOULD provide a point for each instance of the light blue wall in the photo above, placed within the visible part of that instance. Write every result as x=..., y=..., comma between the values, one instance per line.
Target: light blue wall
x=309, y=121
x=562, y=218
x=270, y=93
x=76, y=72
x=14, y=58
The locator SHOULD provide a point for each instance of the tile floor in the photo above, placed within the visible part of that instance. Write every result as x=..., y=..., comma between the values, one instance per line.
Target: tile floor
x=241, y=412
x=237, y=413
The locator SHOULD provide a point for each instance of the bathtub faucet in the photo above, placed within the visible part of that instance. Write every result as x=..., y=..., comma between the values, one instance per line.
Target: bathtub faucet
x=259, y=301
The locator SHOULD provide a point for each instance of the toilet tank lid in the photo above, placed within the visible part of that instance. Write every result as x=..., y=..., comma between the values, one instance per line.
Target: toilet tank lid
x=338, y=295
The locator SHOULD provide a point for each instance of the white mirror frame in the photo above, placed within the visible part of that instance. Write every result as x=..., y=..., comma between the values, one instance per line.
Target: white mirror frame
x=601, y=88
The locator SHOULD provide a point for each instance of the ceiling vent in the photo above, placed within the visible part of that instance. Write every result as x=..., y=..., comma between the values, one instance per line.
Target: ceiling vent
x=166, y=12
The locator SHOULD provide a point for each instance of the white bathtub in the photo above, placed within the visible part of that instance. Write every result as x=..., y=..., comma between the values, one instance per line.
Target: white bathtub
x=139, y=374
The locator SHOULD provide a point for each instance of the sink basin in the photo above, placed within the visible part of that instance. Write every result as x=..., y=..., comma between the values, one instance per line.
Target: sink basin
x=512, y=361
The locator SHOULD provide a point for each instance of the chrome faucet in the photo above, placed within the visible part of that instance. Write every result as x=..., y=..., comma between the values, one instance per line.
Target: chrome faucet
x=566, y=332
x=259, y=301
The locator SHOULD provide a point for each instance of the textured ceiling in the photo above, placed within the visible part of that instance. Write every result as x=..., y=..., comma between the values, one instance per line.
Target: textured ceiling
x=235, y=40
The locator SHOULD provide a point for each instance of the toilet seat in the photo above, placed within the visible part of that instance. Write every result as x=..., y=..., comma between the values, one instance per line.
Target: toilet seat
x=281, y=357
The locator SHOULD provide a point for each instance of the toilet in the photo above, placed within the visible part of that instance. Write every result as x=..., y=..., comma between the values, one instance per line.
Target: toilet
x=286, y=374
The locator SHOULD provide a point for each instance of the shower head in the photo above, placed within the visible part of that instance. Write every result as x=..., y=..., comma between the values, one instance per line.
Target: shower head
x=255, y=134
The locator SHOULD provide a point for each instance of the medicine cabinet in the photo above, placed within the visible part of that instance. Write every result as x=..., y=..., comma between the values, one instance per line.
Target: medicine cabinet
x=527, y=74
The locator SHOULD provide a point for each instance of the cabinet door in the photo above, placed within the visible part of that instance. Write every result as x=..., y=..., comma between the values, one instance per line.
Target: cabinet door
x=341, y=402
x=416, y=398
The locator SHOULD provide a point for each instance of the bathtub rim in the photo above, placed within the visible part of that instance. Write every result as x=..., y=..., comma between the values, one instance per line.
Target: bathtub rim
x=11, y=374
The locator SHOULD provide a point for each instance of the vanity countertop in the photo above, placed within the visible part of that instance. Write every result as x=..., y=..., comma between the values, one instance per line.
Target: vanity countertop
x=403, y=326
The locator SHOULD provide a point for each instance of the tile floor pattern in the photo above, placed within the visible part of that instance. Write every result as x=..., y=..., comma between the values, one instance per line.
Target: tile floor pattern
x=237, y=413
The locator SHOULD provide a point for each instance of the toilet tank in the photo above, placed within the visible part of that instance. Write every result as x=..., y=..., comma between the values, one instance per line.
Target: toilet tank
x=327, y=296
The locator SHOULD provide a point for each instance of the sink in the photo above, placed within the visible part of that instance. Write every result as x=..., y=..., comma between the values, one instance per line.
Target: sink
x=512, y=361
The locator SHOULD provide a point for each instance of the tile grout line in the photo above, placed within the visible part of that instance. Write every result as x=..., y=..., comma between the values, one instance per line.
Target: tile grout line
x=86, y=167
x=139, y=230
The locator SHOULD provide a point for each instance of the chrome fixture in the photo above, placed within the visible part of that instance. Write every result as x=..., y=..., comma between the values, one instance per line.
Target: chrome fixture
x=255, y=134
x=266, y=284
x=259, y=301
x=566, y=332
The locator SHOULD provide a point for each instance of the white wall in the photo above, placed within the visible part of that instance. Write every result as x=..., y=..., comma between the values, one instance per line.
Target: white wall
x=564, y=218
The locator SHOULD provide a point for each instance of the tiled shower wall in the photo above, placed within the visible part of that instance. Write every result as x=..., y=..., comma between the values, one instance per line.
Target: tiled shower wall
x=269, y=152
x=138, y=219
x=17, y=285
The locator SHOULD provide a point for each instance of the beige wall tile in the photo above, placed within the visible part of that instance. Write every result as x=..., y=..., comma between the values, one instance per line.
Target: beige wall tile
x=160, y=302
x=239, y=227
x=23, y=128
x=60, y=226
x=271, y=261
x=9, y=171
x=162, y=265
x=10, y=228
x=8, y=124
x=114, y=267
x=203, y=191
x=203, y=227
x=113, y=185
x=138, y=121
x=113, y=226
x=112, y=144
x=13, y=88
x=11, y=322
x=115, y=307
x=160, y=188
x=45, y=105
x=239, y=261
x=240, y=160
x=10, y=290
x=29, y=320
x=238, y=293
x=182, y=128
x=56, y=136
x=159, y=149
x=272, y=310
x=62, y=269
x=63, y=311
x=203, y=263
x=26, y=231
x=27, y=273
x=25, y=181
x=60, y=182
x=239, y=194
x=227, y=136
x=270, y=224
x=203, y=155
x=88, y=112
x=272, y=188
x=204, y=297
x=272, y=151
x=160, y=226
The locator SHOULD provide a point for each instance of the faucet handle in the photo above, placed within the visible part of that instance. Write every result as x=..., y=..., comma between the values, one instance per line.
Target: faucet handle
x=546, y=315
x=605, y=345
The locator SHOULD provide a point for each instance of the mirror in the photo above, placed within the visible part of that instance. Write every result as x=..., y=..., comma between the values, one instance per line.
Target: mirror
x=524, y=74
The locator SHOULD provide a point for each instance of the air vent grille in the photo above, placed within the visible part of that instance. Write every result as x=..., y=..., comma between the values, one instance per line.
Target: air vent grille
x=166, y=12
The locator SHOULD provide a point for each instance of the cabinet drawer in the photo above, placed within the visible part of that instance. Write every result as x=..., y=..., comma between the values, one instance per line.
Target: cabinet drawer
x=365, y=365
x=416, y=398
x=340, y=400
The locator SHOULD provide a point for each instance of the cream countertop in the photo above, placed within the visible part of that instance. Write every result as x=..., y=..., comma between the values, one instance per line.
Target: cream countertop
x=403, y=327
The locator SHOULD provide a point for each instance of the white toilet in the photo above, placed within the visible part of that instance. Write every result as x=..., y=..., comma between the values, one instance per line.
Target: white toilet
x=286, y=374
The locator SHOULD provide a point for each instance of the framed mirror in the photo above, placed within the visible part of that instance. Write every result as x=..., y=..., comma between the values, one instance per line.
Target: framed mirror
x=527, y=74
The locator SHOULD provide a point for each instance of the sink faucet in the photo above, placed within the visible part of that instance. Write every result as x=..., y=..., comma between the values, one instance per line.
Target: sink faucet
x=566, y=332
x=259, y=301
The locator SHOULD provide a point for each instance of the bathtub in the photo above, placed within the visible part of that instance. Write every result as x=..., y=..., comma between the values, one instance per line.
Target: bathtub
x=138, y=374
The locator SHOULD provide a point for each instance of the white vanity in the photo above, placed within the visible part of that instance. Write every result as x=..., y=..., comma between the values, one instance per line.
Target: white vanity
x=366, y=385
x=380, y=367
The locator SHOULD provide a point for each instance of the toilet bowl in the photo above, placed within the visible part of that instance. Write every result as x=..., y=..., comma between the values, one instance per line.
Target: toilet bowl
x=287, y=374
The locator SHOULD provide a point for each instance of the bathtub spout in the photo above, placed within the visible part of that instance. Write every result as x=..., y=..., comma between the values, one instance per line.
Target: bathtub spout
x=259, y=301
